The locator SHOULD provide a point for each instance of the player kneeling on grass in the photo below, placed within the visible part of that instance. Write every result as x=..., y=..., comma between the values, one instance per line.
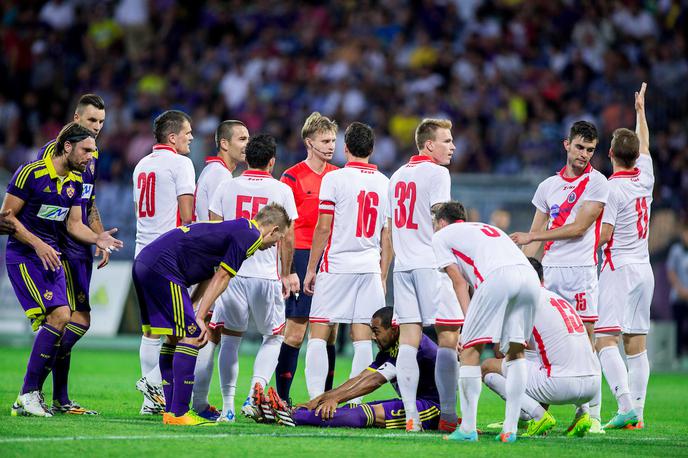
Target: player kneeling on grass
x=324, y=410
x=209, y=254
x=565, y=371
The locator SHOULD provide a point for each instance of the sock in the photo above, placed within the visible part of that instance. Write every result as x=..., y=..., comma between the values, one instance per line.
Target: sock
x=360, y=416
x=497, y=383
x=615, y=372
x=316, y=367
x=469, y=395
x=45, y=347
x=72, y=333
x=50, y=364
x=447, y=379
x=638, y=375
x=407, y=380
x=149, y=356
x=363, y=357
x=183, y=368
x=331, y=359
x=166, y=364
x=228, y=366
x=286, y=368
x=203, y=375
x=266, y=361
x=516, y=378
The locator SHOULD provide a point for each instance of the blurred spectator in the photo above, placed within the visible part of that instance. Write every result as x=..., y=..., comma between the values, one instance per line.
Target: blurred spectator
x=677, y=270
x=502, y=219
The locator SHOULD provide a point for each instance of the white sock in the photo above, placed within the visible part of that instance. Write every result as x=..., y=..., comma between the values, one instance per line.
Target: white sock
x=363, y=357
x=638, y=375
x=316, y=367
x=615, y=372
x=202, y=376
x=516, y=378
x=595, y=404
x=447, y=380
x=228, y=366
x=469, y=395
x=266, y=361
x=497, y=383
x=149, y=357
x=407, y=380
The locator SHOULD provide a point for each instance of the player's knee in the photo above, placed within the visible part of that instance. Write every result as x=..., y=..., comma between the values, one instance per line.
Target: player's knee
x=604, y=341
x=490, y=366
x=59, y=317
x=82, y=318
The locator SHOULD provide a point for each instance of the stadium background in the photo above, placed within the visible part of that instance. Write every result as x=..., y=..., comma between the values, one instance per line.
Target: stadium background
x=512, y=76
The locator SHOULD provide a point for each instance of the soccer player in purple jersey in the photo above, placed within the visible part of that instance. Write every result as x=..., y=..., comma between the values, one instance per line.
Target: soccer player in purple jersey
x=77, y=259
x=207, y=254
x=324, y=410
x=44, y=201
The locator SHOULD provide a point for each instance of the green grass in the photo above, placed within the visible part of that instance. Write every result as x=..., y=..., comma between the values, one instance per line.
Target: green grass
x=104, y=379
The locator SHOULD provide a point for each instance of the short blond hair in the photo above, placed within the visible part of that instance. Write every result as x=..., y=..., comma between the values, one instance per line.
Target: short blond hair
x=317, y=123
x=427, y=128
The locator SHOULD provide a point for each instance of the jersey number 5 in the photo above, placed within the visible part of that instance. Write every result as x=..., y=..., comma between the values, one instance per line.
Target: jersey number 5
x=367, y=214
x=146, y=184
x=403, y=217
x=255, y=204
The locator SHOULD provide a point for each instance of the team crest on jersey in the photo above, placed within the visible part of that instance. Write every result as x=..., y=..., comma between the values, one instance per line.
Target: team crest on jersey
x=554, y=211
x=92, y=167
x=70, y=191
x=81, y=297
x=48, y=295
x=192, y=328
x=571, y=198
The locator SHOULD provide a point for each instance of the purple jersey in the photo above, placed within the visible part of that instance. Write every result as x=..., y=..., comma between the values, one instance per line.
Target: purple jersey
x=71, y=248
x=190, y=254
x=48, y=199
x=386, y=361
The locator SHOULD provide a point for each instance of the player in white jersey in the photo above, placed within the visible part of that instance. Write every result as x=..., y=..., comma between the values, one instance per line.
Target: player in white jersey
x=501, y=310
x=422, y=295
x=352, y=238
x=626, y=280
x=231, y=137
x=564, y=371
x=256, y=288
x=164, y=183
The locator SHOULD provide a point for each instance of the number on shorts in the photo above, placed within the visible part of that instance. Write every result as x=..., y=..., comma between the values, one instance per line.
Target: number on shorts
x=574, y=325
x=581, y=302
x=367, y=214
x=403, y=217
x=146, y=183
x=643, y=222
x=254, y=205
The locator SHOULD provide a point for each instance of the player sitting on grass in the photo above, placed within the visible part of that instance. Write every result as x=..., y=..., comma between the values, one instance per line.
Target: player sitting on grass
x=324, y=410
x=565, y=372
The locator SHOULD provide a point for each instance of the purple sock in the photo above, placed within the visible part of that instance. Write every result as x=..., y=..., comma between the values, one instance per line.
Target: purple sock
x=72, y=333
x=331, y=358
x=285, y=370
x=361, y=416
x=165, y=362
x=183, y=366
x=43, y=353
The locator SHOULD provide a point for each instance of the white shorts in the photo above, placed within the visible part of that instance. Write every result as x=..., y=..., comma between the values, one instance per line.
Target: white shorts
x=559, y=390
x=625, y=299
x=578, y=285
x=502, y=308
x=259, y=296
x=346, y=298
x=425, y=296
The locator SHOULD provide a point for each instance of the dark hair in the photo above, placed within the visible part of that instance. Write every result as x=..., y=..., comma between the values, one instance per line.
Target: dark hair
x=359, y=139
x=90, y=99
x=170, y=122
x=625, y=146
x=584, y=129
x=450, y=212
x=72, y=133
x=385, y=316
x=225, y=130
x=259, y=150
x=538, y=267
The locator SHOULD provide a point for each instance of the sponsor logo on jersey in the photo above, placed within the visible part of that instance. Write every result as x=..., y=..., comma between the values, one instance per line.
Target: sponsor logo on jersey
x=88, y=190
x=53, y=212
x=572, y=197
x=554, y=211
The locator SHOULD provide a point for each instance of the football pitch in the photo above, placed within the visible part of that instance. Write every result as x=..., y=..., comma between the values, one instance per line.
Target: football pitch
x=104, y=380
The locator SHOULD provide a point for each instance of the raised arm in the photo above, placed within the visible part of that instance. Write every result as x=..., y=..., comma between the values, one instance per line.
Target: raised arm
x=84, y=234
x=539, y=224
x=641, y=128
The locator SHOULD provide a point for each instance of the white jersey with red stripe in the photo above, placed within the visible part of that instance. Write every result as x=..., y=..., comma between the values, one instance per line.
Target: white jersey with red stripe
x=243, y=197
x=413, y=190
x=159, y=178
x=477, y=248
x=356, y=196
x=561, y=198
x=560, y=339
x=628, y=210
x=212, y=175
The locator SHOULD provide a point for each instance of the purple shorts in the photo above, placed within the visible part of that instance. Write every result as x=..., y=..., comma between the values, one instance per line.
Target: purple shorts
x=38, y=290
x=78, y=277
x=395, y=415
x=166, y=307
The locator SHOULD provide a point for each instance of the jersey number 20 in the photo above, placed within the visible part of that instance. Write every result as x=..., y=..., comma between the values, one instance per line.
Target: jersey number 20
x=146, y=184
